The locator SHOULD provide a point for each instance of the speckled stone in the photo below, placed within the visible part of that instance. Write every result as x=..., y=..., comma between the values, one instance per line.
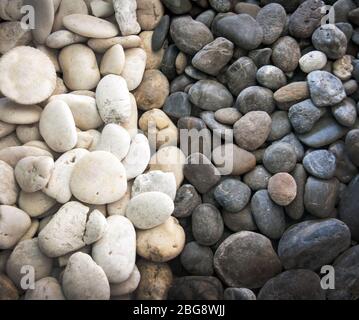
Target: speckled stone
x=320, y=164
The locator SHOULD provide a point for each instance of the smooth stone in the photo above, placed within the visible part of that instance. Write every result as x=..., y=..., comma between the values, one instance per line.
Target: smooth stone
x=187, y=199
x=312, y=61
x=246, y=260
x=8, y=186
x=240, y=221
x=280, y=157
x=280, y=126
x=240, y=75
x=189, y=35
x=348, y=207
x=293, y=285
x=214, y=56
x=113, y=61
x=153, y=90
x=66, y=8
x=149, y=13
x=292, y=93
x=102, y=45
x=90, y=188
x=351, y=146
x=320, y=164
x=83, y=279
x=162, y=243
x=197, y=259
x=255, y=98
x=168, y=65
x=282, y=189
x=206, y=17
x=324, y=132
x=46, y=289
x=33, y=173
x=20, y=80
x=306, y=18
x=196, y=287
x=178, y=7
x=345, y=169
x=134, y=69
x=268, y=216
x=14, y=113
x=304, y=115
x=325, y=89
x=250, y=8
x=90, y=26
x=286, y=54
x=218, y=129
x=207, y=224
x=14, y=223
x=62, y=38
x=231, y=159
x=345, y=112
x=200, y=172
x=128, y=286
x=6, y=129
x=12, y=155
x=125, y=12
x=196, y=74
x=28, y=253
x=138, y=157
x=79, y=66
x=249, y=38
x=58, y=186
x=257, y=179
x=271, y=77
x=8, y=291
x=252, y=130
x=313, y=244
x=113, y=99
x=239, y=294
x=155, y=181
x=12, y=35
x=101, y=9
x=96, y=227
x=116, y=140
x=261, y=57
x=177, y=105
x=228, y=116
x=232, y=195
x=330, y=40
x=180, y=83
x=57, y=126
x=115, y=252
x=272, y=18
x=35, y=204
x=65, y=231
x=346, y=28
x=160, y=33
x=154, y=58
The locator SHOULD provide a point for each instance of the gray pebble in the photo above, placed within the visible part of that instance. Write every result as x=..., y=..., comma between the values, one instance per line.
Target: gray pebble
x=258, y=178
x=280, y=125
x=320, y=164
x=197, y=259
x=280, y=157
x=271, y=77
x=187, y=199
x=255, y=98
x=239, y=294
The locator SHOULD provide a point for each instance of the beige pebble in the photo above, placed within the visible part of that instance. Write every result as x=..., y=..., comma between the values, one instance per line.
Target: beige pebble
x=79, y=67
x=119, y=207
x=343, y=68
x=66, y=8
x=131, y=124
x=52, y=54
x=125, y=12
x=135, y=64
x=27, y=75
x=12, y=155
x=45, y=289
x=31, y=232
x=63, y=38
x=154, y=58
x=282, y=188
x=8, y=186
x=6, y=129
x=113, y=61
x=128, y=286
x=102, y=9
x=153, y=91
x=64, y=260
x=10, y=140
x=14, y=113
x=149, y=13
x=181, y=63
x=95, y=227
x=28, y=132
x=57, y=126
x=41, y=145
x=84, y=140
x=92, y=179
x=35, y=204
x=102, y=45
x=90, y=26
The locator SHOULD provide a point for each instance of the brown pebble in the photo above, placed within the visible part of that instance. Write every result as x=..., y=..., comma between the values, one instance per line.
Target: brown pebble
x=282, y=188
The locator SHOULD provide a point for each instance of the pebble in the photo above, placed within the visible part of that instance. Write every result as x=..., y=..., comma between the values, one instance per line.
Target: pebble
x=246, y=260
x=66, y=8
x=228, y=116
x=218, y=129
x=351, y=145
x=286, y=54
x=232, y=195
x=271, y=77
x=313, y=244
x=8, y=186
x=239, y=294
x=102, y=45
x=345, y=112
x=330, y=40
x=12, y=35
x=149, y=13
x=200, y=172
x=189, y=35
x=312, y=61
x=168, y=65
x=133, y=76
x=272, y=18
x=14, y=113
x=320, y=164
x=177, y=105
x=252, y=130
x=113, y=61
x=257, y=179
x=252, y=33
x=268, y=216
x=261, y=57
x=280, y=126
x=92, y=188
x=292, y=93
x=255, y=98
x=293, y=285
x=280, y=157
x=115, y=252
x=96, y=227
x=160, y=33
x=214, y=56
x=250, y=8
x=30, y=86
x=207, y=224
x=304, y=115
x=325, y=89
x=63, y=38
x=343, y=68
x=128, y=286
x=197, y=259
x=162, y=243
x=8, y=291
x=187, y=199
x=282, y=189
x=178, y=7
x=46, y=289
x=83, y=279
x=240, y=221
x=206, y=17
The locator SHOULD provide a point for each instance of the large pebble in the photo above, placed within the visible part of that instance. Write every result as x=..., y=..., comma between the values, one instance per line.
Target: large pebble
x=282, y=188
x=12, y=155
x=14, y=113
x=113, y=61
x=271, y=77
x=46, y=289
x=125, y=12
x=312, y=61
x=83, y=279
x=255, y=98
x=280, y=157
x=149, y=13
x=115, y=252
x=286, y=54
x=8, y=187
x=135, y=64
x=128, y=286
x=320, y=164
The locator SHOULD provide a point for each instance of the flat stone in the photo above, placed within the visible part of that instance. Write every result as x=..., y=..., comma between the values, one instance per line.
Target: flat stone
x=160, y=33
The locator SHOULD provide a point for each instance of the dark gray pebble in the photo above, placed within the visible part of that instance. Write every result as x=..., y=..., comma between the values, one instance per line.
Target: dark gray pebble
x=177, y=105
x=160, y=33
x=197, y=259
x=321, y=164
x=239, y=221
x=239, y=294
x=187, y=199
x=255, y=98
x=280, y=157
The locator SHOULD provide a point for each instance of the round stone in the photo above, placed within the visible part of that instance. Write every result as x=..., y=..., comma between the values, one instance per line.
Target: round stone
x=177, y=105
x=271, y=77
x=255, y=98
x=113, y=61
x=282, y=189
x=133, y=76
x=232, y=195
x=227, y=116
x=246, y=260
x=280, y=126
x=92, y=179
x=280, y=157
x=345, y=112
x=46, y=289
x=257, y=179
x=286, y=54
x=197, y=259
x=20, y=76
x=312, y=61
x=187, y=199
x=343, y=68
x=240, y=221
x=321, y=164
